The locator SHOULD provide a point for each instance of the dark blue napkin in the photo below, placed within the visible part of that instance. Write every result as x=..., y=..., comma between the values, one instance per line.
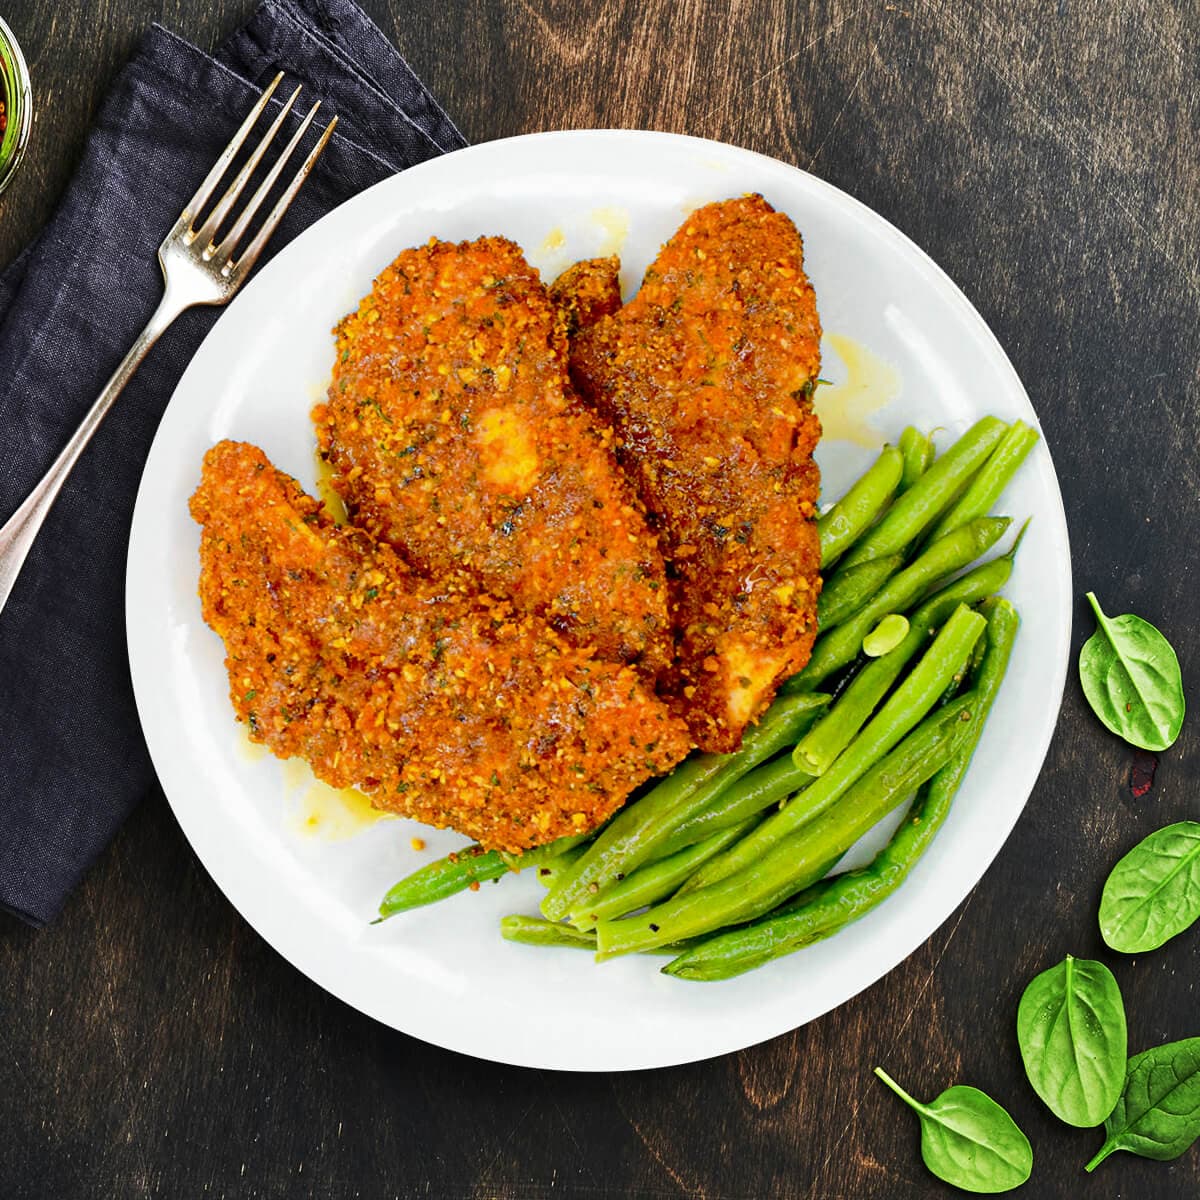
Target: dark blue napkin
x=72, y=760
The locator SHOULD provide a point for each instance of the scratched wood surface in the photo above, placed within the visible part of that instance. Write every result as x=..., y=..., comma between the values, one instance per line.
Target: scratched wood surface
x=1046, y=156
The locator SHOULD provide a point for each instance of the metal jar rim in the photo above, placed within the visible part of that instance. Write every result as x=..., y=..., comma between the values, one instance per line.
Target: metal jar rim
x=18, y=98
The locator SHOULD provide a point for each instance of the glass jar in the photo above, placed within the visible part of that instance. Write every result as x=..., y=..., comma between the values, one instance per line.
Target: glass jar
x=18, y=104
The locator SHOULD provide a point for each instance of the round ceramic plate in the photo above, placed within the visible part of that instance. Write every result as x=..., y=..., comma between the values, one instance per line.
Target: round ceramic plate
x=902, y=346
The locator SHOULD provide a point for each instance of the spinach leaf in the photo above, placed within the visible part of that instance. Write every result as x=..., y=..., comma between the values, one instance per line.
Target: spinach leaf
x=1153, y=893
x=968, y=1140
x=1130, y=676
x=1071, y=1030
x=1158, y=1114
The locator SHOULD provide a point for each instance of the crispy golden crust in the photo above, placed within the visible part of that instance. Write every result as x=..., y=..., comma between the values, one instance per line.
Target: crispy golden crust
x=706, y=376
x=586, y=291
x=445, y=707
x=453, y=434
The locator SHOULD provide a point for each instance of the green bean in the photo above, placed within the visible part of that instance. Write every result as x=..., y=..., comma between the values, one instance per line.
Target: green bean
x=831, y=904
x=971, y=588
x=798, y=861
x=918, y=508
x=752, y=794
x=634, y=835
x=911, y=701
x=822, y=744
x=437, y=880
x=547, y=853
x=656, y=880
x=985, y=489
x=971, y=666
x=916, y=449
x=836, y=729
x=849, y=590
x=460, y=869
x=745, y=797
x=548, y=873
x=537, y=931
x=964, y=672
x=846, y=521
x=948, y=554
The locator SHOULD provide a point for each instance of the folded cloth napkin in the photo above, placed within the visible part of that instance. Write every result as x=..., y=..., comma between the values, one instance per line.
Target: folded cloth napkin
x=72, y=760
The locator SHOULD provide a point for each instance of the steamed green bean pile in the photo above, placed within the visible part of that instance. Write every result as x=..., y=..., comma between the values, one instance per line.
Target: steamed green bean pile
x=725, y=863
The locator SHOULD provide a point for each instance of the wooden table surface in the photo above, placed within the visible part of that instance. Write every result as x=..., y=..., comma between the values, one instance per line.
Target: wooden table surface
x=1046, y=156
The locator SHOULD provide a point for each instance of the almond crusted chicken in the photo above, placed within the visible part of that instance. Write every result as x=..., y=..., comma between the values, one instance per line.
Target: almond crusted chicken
x=453, y=708
x=454, y=435
x=706, y=376
x=581, y=536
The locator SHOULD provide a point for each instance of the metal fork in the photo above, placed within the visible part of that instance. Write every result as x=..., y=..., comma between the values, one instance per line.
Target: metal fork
x=196, y=270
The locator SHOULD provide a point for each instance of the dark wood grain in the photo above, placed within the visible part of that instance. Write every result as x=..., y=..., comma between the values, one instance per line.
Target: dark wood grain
x=1045, y=155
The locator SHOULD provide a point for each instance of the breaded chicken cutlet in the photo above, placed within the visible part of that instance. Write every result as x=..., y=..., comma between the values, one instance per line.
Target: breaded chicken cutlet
x=450, y=708
x=454, y=435
x=706, y=375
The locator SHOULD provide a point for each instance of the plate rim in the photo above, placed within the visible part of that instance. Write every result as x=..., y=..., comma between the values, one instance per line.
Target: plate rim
x=962, y=306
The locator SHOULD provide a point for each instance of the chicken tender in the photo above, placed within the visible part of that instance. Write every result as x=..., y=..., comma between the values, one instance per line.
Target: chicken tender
x=707, y=375
x=450, y=708
x=454, y=435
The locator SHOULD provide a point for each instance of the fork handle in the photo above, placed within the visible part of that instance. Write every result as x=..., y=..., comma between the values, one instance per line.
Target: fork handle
x=19, y=531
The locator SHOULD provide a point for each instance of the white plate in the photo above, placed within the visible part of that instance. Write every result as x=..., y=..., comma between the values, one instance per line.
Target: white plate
x=444, y=974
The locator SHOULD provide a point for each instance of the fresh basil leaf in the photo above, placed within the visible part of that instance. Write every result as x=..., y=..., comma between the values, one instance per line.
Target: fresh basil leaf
x=1131, y=678
x=1153, y=893
x=968, y=1140
x=1071, y=1030
x=1158, y=1114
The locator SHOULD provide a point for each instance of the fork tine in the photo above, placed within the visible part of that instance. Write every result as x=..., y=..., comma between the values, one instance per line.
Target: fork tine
x=208, y=231
x=221, y=165
x=231, y=239
x=249, y=256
